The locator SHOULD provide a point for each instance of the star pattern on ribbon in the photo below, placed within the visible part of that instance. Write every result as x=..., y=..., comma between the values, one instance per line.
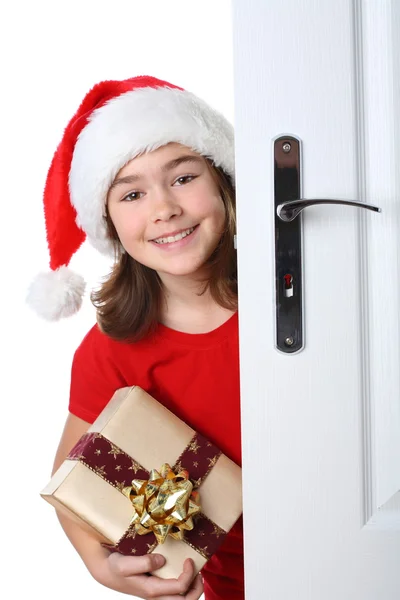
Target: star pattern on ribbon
x=115, y=451
x=135, y=467
x=119, y=485
x=218, y=531
x=101, y=471
x=194, y=446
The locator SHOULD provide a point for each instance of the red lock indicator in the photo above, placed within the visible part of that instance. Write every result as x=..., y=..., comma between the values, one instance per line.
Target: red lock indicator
x=288, y=285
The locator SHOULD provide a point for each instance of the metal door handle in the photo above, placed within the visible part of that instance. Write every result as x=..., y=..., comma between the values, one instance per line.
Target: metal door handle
x=288, y=211
x=288, y=205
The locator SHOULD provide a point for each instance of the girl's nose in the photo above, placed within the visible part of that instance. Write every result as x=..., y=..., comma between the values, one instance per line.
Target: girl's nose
x=165, y=206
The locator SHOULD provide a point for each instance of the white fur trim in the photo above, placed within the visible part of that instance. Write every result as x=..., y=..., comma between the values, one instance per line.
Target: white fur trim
x=140, y=121
x=56, y=294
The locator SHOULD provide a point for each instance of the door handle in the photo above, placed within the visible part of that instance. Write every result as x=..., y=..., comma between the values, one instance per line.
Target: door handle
x=288, y=205
x=287, y=211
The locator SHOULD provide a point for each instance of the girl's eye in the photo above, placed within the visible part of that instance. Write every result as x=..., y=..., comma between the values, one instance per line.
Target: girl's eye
x=185, y=179
x=131, y=197
x=180, y=181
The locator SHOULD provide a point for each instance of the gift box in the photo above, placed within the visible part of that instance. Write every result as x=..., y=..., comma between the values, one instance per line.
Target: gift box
x=141, y=480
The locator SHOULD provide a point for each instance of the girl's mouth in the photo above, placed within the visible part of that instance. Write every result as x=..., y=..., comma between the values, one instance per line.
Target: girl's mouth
x=176, y=241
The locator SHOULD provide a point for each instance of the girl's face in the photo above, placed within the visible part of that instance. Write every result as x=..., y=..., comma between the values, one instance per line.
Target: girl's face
x=167, y=210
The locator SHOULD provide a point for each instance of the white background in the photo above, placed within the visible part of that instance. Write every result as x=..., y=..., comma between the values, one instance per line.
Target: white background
x=51, y=54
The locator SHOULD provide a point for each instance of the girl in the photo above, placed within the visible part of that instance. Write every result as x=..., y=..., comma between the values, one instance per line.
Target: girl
x=145, y=171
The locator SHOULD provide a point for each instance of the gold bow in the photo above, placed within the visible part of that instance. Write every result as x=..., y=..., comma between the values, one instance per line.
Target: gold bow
x=164, y=504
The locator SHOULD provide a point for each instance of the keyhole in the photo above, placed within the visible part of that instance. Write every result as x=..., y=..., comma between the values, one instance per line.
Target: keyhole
x=288, y=286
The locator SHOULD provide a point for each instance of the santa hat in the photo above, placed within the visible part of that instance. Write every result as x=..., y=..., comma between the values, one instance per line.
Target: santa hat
x=116, y=121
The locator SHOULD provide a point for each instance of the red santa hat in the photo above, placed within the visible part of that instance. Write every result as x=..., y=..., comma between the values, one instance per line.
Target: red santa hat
x=116, y=121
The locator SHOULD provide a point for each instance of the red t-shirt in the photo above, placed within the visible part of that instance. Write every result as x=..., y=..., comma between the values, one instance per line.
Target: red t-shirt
x=196, y=376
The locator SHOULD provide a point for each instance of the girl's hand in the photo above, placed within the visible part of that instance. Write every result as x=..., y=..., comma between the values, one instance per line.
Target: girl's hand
x=128, y=574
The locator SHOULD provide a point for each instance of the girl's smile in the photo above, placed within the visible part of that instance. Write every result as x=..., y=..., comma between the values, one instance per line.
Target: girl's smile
x=175, y=239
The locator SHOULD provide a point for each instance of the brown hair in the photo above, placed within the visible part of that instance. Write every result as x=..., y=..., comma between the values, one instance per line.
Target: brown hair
x=128, y=302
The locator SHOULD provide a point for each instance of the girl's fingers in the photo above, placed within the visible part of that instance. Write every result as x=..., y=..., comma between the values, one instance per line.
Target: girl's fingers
x=126, y=566
x=132, y=570
x=194, y=593
x=197, y=589
x=156, y=587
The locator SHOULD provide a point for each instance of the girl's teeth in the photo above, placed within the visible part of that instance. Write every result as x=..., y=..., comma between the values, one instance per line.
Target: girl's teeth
x=175, y=238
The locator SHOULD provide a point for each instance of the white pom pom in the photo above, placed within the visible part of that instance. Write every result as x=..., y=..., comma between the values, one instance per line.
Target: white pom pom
x=56, y=294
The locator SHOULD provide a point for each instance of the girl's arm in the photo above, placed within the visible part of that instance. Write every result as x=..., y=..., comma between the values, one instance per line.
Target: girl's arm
x=124, y=574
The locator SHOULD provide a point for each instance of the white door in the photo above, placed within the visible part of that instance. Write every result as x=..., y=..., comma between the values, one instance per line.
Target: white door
x=321, y=427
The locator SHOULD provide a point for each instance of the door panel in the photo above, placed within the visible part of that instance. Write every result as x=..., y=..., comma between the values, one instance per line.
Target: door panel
x=321, y=428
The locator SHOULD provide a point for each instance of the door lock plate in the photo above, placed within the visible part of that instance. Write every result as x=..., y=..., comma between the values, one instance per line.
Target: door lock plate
x=288, y=246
